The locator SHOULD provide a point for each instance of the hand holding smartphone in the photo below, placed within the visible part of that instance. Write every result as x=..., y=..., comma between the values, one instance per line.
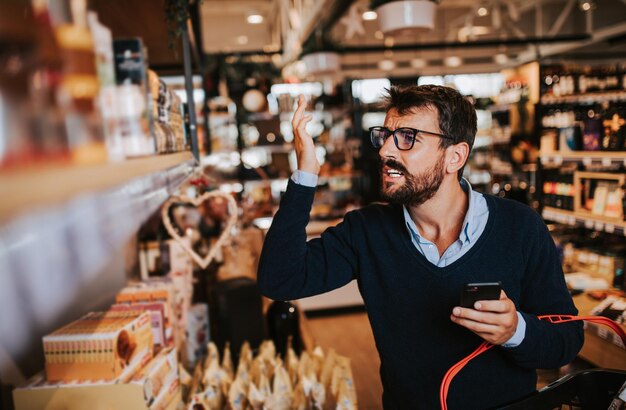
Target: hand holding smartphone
x=473, y=292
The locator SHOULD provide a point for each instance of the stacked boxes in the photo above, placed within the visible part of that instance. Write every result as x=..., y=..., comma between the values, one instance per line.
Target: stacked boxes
x=99, y=346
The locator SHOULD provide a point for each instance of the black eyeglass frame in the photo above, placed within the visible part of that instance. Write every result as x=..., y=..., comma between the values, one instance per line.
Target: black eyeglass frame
x=395, y=138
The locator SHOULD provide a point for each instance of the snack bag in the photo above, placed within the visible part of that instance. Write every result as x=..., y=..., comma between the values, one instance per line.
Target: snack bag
x=237, y=398
x=327, y=368
x=227, y=362
x=258, y=396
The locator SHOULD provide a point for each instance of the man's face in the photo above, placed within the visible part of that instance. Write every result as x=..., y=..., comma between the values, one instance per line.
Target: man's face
x=412, y=177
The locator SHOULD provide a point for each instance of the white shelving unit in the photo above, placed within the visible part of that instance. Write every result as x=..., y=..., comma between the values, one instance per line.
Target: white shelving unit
x=595, y=222
x=604, y=158
x=586, y=98
x=63, y=231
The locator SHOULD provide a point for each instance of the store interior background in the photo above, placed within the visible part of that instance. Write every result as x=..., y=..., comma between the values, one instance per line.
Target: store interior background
x=539, y=72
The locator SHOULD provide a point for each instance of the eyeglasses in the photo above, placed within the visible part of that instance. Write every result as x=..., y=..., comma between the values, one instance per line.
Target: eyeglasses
x=403, y=137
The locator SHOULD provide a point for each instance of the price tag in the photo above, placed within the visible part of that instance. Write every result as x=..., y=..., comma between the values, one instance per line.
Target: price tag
x=571, y=220
x=588, y=224
x=545, y=160
x=606, y=162
x=598, y=226
x=558, y=160
x=586, y=161
x=610, y=228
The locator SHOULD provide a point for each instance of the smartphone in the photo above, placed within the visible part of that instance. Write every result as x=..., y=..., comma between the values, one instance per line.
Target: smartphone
x=473, y=292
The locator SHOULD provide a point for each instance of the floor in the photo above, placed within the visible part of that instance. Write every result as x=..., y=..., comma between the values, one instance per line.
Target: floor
x=350, y=335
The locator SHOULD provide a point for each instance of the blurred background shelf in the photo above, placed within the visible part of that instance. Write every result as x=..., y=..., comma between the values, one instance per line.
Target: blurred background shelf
x=42, y=187
x=64, y=253
x=605, y=158
x=584, y=98
x=595, y=222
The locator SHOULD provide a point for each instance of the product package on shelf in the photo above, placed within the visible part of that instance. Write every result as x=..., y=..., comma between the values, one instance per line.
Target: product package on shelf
x=158, y=375
x=99, y=346
x=174, y=290
x=133, y=97
x=155, y=386
x=161, y=325
x=159, y=258
x=149, y=293
x=166, y=110
x=197, y=334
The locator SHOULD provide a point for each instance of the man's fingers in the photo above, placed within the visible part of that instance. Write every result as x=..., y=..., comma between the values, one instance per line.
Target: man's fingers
x=299, y=110
x=476, y=327
x=300, y=127
x=304, y=121
x=477, y=316
x=499, y=306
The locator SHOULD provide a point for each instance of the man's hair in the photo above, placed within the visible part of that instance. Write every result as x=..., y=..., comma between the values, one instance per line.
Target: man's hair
x=457, y=116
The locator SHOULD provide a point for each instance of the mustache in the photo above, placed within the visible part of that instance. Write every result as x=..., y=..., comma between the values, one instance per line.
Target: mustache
x=392, y=163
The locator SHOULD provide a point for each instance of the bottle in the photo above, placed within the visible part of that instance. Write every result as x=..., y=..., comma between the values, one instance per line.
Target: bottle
x=283, y=323
x=80, y=86
x=17, y=48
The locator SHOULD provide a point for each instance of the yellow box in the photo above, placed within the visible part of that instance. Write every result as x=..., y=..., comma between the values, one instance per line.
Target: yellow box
x=99, y=346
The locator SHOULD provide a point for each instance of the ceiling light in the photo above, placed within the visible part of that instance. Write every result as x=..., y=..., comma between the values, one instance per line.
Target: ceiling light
x=501, y=58
x=418, y=63
x=255, y=19
x=369, y=15
x=386, y=65
x=389, y=42
x=379, y=35
x=587, y=5
x=242, y=40
x=483, y=11
x=453, y=61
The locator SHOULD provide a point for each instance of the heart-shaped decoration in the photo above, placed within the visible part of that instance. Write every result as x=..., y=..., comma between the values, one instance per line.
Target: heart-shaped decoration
x=202, y=261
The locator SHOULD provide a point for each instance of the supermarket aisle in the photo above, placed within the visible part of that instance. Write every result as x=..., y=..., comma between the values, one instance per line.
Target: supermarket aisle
x=351, y=335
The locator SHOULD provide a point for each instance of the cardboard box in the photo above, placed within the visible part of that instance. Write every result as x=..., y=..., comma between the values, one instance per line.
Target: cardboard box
x=157, y=375
x=99, y=346
x=155, y=386
x=161, y=328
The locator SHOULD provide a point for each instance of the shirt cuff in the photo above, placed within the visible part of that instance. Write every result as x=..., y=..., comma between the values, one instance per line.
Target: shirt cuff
x=304, y=178
x=520, y=332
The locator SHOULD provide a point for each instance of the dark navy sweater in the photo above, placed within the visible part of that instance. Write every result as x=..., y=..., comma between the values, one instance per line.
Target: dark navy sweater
x=409, y=300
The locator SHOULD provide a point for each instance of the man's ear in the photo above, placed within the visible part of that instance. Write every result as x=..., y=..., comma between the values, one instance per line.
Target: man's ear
x=456, y=157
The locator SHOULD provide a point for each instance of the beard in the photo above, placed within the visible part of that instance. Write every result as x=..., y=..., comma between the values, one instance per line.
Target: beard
x=416, y=189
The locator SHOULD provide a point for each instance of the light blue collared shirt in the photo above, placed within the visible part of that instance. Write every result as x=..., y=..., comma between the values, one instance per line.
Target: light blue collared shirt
x=473, y=226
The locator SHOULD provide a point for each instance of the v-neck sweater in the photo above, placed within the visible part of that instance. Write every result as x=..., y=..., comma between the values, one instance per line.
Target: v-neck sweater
x=409, y=300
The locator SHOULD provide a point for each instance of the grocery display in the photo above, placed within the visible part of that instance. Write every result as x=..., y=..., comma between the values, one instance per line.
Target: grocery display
x=145, y=150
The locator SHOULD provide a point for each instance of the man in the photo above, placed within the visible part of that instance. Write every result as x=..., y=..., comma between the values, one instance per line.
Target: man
x=412, y=257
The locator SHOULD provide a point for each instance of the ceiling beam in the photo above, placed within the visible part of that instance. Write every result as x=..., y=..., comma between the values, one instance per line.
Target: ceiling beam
x=596, y=36
x=468, y=44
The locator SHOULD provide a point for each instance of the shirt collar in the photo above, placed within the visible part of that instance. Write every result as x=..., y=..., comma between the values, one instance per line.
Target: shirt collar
x=469, y=216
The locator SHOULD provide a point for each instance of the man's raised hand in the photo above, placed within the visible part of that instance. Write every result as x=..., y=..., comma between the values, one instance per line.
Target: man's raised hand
x=305, y=148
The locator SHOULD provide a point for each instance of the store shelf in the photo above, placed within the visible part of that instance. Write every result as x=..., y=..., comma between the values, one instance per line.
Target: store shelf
x=62, y=226
x=594, y=222
x=43, y=187
x=605, y=158
x=587, y=98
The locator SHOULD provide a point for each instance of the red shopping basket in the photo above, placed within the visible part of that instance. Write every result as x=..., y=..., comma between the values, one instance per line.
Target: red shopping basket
x=587, y=389
x=578, y=387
